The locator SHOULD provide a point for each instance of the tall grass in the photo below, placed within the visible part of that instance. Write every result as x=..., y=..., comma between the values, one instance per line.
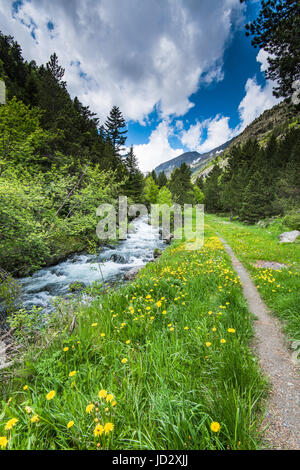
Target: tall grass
x=280, y=288
x=155, y=345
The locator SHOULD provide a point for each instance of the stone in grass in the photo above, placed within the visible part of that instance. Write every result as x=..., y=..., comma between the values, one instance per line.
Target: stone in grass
x=76, y=286
x=289, y=237
x=131, y=274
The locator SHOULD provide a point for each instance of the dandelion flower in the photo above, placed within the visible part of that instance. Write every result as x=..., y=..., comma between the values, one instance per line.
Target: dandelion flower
x=223, y=341
x=186, y=327
x=51, y=395
x=3, y=441
x=94, y=324
x=128, y=341
x=158, y=304
x=215, y=426
x=109, y=398
x=102, y=394
x=25, y=387
x=10, y=424
x=231, y=330
x=90, y=408
x=124, y=360
x=113, y=403
x=208, y=344
x=164, y=312
x=73, y=373
x=102, y=335
x=172, y=329
x=98, y=431
x=35, y=419
x=108, y=427
x=66, y=349
x=70, y=424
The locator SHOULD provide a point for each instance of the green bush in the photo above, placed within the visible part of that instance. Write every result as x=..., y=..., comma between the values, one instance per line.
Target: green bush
x=292, y=220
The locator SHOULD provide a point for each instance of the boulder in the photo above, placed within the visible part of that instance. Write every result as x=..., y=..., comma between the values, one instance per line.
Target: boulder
x=289, y=237
x=117, y=258
x=131, y=274
x=168, y=239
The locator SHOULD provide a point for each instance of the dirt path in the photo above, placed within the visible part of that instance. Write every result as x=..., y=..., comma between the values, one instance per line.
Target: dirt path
x=283, y=416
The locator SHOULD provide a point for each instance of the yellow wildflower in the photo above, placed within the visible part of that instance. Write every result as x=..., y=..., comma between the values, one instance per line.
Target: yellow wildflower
x=164, y=312
x=158, y=304
x=98, y=431
x=3, y=441
x=113, y=403
x=73, y=373
x=108, y=427
x=102, y=334
x=208, y=344
x=128, y=341
x=25, y=387
x=215, y=426
x=223, y=341
x=186, y=327
x=51, y=395
x=94, y=324
x=124, y=360
x=90, y=408
x=70, y=424
x=102, y=394
x=231, y=330
x=10, y=424
x=66, y=349
x=35, y=419
x=109, y=397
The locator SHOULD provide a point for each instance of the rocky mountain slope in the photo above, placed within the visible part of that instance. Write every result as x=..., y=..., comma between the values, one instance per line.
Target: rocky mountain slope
x=277, y=119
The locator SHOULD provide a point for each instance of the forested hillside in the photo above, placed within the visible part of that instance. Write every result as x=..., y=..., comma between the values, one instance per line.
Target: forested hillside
x=258, y=177
x=57, y=164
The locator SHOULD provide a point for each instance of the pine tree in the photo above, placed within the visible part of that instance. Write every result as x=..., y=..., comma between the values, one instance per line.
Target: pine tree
x=212, y=190
x=135, y=183
x=154, y=176
x=181, y=186
x=257, y=202
x=277, y=31
x=162, y=180
x=115, y=130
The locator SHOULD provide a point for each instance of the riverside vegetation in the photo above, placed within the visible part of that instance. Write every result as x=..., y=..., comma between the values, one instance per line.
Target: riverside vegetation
x=162, y=363
x=165, y=361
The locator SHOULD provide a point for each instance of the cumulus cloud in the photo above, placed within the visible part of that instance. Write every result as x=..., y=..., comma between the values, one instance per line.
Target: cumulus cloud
x=258, y=98
x=135, y=54
x=158, y=149
x=207, y=135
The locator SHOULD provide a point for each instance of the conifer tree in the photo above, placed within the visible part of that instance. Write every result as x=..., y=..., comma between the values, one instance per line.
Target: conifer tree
x=135, y=183
x=181, y=186
x=115, y=130
x=162, y=180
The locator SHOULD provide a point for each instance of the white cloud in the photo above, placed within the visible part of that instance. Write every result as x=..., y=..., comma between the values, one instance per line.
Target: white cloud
x=217, y=132
x=158, y=149
x=135, y=54
x=192, y=136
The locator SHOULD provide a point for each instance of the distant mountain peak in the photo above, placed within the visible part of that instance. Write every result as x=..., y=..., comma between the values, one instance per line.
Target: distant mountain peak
x=193, y=159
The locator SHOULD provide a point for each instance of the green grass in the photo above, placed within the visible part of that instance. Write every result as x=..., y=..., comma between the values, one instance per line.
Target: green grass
x=279, y=288
x=178, y=378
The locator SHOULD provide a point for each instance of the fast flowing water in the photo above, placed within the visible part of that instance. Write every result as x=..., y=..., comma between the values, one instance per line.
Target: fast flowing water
x=45, y=285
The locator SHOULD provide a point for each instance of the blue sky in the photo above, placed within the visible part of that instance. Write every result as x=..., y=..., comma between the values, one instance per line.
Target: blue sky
x=182, y=71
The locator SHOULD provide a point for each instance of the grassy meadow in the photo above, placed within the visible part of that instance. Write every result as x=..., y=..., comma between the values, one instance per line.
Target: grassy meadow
x=279, y=288
x=160, y=363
